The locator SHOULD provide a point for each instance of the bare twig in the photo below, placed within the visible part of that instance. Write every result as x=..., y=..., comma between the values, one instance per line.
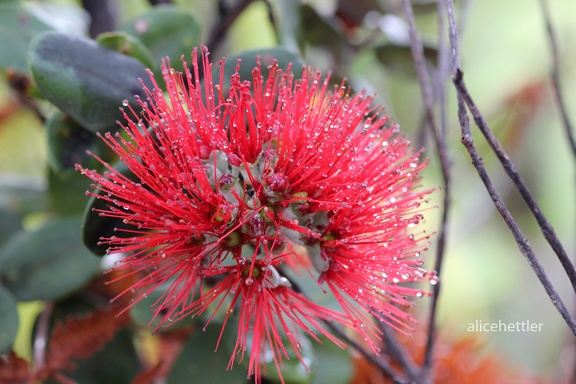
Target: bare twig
x=442, y=152
x=478, y=163
x=556, y=77
x=510, y=169
x=396, y=352
x=443, y=71
x=227, y=18
x=384, y=367
x=41, y=335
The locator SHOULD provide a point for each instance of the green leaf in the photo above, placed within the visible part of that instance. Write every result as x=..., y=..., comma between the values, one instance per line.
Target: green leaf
x=10, y=223
x=142, y=312
x=8, y=319
x=398, y=57
x=199, y=363
x=85, y=80
x=22, y=194
x=68, y=194
x=17, y=26
x=95, y=226
x=128, y=45
x=318, y=30
x=48, y=262
x=293, y=371
x=334, y=363
x=67, y=145
x=289, y=24
x=167, y=32
x=249, y=60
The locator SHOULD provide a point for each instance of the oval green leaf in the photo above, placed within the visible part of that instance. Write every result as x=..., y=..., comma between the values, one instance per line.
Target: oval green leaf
x=167, y=32
x=85, y=80
x=249, y=60
x=127, y=45
x=95, y=226
x=8, y=319
x=68, y=194
x=47, y=263
x=67, y=145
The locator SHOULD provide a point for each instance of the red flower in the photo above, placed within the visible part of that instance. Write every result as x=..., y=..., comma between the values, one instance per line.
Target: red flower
x=231, y=190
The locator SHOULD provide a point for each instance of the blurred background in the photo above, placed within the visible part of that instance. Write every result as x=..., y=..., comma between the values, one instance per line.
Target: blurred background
x=506, y=58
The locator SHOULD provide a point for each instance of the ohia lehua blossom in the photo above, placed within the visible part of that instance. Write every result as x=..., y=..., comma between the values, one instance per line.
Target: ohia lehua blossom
x=241, y=190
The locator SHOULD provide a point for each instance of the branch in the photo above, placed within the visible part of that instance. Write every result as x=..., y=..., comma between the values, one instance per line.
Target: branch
x=227, y=18
x=395, y=350
x=41, y=335
x=510, y=169
x=478, y=163
x=556, y=77
x=445, y=163
x=380, y=363
x=384, y=367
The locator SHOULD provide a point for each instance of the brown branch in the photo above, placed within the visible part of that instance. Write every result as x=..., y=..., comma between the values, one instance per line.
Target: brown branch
x=510, y=169
x=478, y=164
x=569, y=129
x=396, y=352
x=442, y=152
x=384, y=367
